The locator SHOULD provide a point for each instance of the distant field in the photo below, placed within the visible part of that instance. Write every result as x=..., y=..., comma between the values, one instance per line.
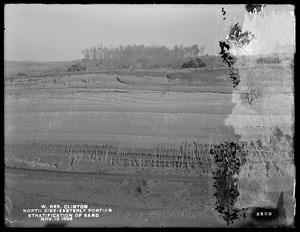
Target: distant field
x=12, y=68
x=194, y=76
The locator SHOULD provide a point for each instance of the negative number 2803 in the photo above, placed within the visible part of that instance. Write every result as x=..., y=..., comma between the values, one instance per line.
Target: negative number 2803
x=264, y=213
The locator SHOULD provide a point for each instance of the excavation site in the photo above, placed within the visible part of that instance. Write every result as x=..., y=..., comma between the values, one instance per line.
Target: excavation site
x=203, y=145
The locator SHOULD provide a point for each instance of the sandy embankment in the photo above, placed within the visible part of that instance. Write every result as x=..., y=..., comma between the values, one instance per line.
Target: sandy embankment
x=96, y=124
x=163, y=124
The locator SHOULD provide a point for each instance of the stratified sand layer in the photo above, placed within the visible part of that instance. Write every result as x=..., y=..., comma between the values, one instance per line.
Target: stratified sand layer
x=114, y=124
x=97, y=123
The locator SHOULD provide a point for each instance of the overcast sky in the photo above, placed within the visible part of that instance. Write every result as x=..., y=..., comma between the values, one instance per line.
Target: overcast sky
x=60, y=32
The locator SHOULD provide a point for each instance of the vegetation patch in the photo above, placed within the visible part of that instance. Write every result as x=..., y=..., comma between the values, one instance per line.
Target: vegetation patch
x=77, y=67
x=194, y=63
x=268, y=60
x=22, y=74
x=254, y=93
x=228, y=158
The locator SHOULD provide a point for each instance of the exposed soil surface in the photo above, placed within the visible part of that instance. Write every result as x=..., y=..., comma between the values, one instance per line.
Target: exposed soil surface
x=137, y=144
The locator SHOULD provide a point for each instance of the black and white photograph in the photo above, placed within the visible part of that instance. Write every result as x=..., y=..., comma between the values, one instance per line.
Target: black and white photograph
x=149, y=115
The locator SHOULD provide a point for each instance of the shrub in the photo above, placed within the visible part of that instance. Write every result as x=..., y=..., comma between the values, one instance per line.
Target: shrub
x=194, y=63
x=22, y=74
x=228, y=160
x=77, y=67
x=255, y=93
x=268, y=60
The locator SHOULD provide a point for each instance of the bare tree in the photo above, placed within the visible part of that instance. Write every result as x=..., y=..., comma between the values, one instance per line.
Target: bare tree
x=202, y=49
